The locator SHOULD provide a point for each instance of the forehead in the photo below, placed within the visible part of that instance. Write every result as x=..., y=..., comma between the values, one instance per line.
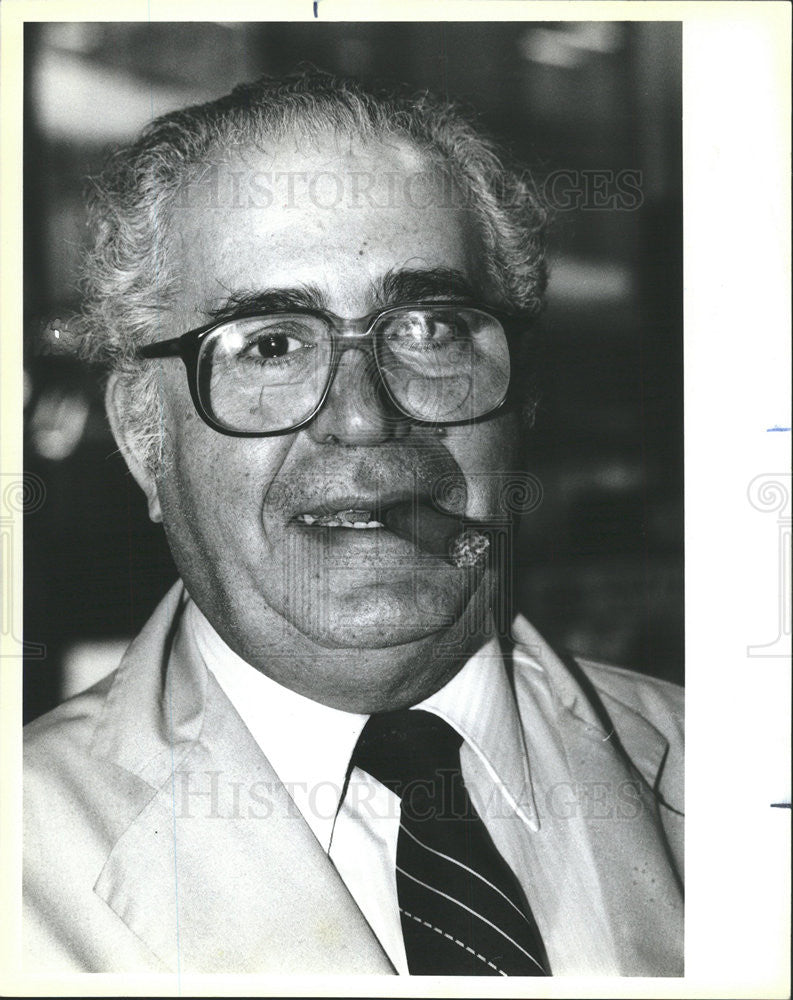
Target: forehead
x=332, y=212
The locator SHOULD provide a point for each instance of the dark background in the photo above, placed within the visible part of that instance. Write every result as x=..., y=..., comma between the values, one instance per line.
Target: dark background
x=600, y=561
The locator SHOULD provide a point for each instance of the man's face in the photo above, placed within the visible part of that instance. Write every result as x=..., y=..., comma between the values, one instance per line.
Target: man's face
x=346, y=616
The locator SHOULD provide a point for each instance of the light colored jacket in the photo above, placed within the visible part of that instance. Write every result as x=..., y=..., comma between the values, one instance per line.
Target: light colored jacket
x=158, y=837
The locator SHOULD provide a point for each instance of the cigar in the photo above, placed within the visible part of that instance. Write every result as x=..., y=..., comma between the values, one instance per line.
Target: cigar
x=461, y=541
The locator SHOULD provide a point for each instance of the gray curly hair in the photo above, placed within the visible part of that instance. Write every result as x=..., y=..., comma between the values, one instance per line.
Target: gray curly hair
x=129, y=279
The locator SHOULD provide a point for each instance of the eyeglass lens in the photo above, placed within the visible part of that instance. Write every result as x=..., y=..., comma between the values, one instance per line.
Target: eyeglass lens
x=268, y=373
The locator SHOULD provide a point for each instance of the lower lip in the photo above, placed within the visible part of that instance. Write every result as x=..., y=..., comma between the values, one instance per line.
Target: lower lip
x=371, y=540
x=328, y=531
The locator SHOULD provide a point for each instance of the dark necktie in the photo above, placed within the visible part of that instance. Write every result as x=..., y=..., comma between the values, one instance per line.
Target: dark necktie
x=463, y=912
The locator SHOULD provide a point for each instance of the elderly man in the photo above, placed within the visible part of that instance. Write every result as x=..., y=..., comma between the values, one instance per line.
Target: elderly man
x=323, y=753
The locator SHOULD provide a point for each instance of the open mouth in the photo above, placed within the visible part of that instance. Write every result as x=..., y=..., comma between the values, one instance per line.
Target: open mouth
x=463, y=543
x=360, y=520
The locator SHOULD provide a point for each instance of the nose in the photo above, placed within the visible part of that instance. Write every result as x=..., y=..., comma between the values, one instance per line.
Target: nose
x=356, y=411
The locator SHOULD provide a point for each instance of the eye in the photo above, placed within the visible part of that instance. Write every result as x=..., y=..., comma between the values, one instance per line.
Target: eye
x=283, y=338
x=417, y=330
x=274, y=345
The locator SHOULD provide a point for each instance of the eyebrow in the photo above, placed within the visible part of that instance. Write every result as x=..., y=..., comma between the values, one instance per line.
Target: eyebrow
x=240, y=303
x=415, y=284
x=396, y=286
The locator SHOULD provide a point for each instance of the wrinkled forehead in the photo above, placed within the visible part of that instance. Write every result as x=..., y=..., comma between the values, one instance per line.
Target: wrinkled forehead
x=336, y=212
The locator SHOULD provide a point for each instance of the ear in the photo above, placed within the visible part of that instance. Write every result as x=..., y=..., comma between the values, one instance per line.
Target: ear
x=118, y=405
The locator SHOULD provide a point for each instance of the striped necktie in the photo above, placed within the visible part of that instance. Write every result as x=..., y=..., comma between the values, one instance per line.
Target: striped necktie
x=462, y=910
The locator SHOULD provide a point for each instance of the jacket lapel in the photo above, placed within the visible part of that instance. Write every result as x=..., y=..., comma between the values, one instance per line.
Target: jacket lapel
x=638, y=886
x=218, y=872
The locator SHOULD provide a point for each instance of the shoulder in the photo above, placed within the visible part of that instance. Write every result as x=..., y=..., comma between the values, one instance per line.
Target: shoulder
x=645, y=714
x=66, y=787
x=66, y=783
x=660, y=702
x=125, y=697
x=618, y=691
x=67, y=729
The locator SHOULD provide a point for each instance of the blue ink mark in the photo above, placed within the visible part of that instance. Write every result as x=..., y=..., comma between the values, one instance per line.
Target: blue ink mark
x=776, y=427
x=316, y=4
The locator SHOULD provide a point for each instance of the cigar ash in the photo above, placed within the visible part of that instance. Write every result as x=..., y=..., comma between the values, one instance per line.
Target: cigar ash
x=469, y=548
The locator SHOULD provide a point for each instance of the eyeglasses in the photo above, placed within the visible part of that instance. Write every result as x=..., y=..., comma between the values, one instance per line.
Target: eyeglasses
x=262, y=375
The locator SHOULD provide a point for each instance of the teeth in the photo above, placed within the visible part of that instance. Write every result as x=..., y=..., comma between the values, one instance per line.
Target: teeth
x=360, y=519
x=353, y=516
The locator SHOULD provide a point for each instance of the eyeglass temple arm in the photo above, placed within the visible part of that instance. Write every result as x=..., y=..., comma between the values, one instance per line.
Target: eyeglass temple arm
x=162, y=349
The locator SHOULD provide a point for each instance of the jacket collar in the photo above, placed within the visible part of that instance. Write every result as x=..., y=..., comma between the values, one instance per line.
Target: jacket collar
x=154, y=711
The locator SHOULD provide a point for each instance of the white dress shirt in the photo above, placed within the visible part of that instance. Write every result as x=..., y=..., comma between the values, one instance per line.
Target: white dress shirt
x=309, y=745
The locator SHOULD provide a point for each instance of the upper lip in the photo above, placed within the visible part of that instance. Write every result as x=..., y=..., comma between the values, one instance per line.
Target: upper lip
x=376, y=503
x=369, y=482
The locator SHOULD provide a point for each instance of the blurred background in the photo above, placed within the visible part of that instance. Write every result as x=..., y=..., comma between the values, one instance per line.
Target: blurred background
x=594, y=109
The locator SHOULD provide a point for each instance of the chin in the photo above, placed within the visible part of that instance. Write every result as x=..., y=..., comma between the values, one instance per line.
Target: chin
x=376, y=617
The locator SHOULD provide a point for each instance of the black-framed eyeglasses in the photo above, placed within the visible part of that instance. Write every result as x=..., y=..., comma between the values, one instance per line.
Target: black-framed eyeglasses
x=267, y=374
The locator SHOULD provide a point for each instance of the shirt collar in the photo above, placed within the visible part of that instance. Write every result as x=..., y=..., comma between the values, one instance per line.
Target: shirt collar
x=310, y=744
x=479, y=703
